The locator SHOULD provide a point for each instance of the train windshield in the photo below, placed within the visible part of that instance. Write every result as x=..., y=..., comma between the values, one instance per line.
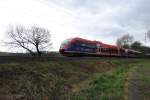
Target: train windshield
x=66, y=42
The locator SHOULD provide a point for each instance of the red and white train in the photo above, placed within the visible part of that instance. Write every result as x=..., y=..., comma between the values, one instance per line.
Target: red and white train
x=83, y=47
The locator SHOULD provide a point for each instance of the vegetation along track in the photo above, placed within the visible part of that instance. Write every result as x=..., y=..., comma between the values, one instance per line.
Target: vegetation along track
x=5, y=59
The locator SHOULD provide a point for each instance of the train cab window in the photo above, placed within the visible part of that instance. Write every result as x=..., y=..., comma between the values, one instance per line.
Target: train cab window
x=66, y=42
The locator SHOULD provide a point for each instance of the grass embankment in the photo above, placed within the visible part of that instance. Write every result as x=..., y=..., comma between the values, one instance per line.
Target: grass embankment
x=101, y=79
x=105, y=86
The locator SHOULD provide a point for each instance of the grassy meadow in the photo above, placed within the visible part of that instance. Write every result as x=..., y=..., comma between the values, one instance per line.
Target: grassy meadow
x=99, y=79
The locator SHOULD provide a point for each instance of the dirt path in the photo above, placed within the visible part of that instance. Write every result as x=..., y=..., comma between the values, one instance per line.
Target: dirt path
x=134, y=92
x=139, y=83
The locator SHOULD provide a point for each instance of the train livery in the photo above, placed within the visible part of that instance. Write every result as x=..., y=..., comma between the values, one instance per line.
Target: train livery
x=82, y=47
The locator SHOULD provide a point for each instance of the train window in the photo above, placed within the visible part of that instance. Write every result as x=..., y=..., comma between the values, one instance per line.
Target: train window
x=85, y=44
x=105, y=50
x=91, y=45
x=113, y=50
x=78, y=43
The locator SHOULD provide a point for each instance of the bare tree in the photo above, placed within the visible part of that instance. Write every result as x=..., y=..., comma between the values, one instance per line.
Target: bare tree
x=119, y=43
x=34, y=39
x=125, y=41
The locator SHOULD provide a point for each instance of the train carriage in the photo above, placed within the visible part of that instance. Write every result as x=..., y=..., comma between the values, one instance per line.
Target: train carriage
x=82, y=47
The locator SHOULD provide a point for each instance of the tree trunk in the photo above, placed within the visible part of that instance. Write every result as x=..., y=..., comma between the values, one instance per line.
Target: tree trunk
x=38, y=51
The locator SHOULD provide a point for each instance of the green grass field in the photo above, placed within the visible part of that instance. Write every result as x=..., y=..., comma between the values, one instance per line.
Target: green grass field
x=99, y=79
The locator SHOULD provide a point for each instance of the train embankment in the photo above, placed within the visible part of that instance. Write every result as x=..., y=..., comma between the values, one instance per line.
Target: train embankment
x=65, y=78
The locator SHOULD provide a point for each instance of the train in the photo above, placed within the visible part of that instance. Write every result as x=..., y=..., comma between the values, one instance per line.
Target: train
x=77, y=47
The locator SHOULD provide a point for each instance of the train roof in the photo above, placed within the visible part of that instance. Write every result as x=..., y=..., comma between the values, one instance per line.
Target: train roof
x=81, y=39
x=95, y=42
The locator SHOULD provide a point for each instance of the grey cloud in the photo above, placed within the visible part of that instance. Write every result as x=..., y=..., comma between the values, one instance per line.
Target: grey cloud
x=138, y=15
x=90, y=5
x=110, y=17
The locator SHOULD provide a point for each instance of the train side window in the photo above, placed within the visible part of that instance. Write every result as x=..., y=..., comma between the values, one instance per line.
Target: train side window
x=107, y=49
x=104, y=50
x=101, y=49
x=78, y=43
x=83, y=45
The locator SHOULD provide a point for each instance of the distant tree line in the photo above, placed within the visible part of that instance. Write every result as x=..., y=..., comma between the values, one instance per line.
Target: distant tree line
x=127, y=41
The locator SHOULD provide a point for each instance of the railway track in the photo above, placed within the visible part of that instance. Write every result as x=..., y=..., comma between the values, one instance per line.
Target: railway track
x=6, y=59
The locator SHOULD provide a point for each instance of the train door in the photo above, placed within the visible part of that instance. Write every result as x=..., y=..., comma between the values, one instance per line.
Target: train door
x=119, y=53
x=126, y=52
x=98, y=48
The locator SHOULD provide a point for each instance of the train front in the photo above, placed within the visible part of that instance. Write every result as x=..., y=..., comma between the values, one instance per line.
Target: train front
x=64, y=47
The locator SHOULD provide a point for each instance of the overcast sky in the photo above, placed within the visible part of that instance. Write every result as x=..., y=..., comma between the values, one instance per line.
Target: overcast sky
x=102, y=20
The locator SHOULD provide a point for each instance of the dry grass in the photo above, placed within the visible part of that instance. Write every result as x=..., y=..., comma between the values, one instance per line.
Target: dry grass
x=50, y=80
